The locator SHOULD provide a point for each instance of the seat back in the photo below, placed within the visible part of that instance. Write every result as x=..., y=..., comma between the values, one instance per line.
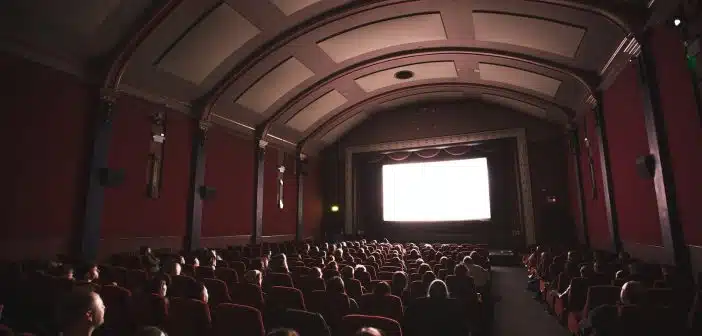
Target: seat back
x=600, y=295
x=281, y=297
x=118, y=318
x=235, y=319
x=217, y=290
x=247, y=294
x=389, y=306
x=228, y=275
x=188, y=317
x=149, y=310
x=180, y=285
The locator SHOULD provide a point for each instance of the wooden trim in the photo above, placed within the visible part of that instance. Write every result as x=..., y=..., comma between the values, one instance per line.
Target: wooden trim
x=523, y=172
x=606, y=170
x=259, y=180
x=582, y=213
x=194, y=207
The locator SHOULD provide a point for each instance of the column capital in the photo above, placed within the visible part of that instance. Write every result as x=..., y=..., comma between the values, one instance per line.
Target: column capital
x=108, y=95
x=204, y=125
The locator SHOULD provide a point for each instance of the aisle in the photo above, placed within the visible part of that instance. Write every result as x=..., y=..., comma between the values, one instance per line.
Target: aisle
x=516, y=313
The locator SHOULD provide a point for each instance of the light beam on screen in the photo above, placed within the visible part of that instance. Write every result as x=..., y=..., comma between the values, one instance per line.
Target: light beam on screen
x=439, y=191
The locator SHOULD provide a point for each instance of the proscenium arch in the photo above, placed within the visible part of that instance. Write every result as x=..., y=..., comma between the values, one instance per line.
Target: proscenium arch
x=523, y=171
x=402, y=92
x=207, y=101
x=585, y=79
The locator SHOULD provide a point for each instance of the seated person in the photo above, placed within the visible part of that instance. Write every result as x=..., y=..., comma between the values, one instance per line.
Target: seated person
x=150, y=331
x=480, y=276
x=368, y=331
x=336, y=285
x=436, y=314
x=149, y=260
x=80, y=312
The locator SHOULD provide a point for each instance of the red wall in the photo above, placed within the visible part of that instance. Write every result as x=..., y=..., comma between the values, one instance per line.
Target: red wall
x=598, y=227
x=128, y=211
x=683, y=128
x=634, y=196
x=43, y=126
x=229, y=169
x=312, y=200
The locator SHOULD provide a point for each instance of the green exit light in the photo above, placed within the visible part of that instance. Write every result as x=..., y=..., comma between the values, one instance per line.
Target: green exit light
x=334, y=208
x=692, y=62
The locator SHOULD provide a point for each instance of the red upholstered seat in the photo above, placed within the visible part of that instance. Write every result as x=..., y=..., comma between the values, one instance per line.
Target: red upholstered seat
x=188, y=317
x=238, y=266
x=285, y=297
x=277, y=279
x=353, y=322
x=150, y=310
x=118, y=318
x=217, y=290
x=596, y=296
x=389, y=306
x=247, y=294
x=235, y=319
x=204, y=272
x=136, y=279
x=180, y=284
x=228, y=275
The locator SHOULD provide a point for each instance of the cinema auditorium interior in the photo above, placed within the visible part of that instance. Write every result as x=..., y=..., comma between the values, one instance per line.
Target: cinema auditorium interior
x=351, y=167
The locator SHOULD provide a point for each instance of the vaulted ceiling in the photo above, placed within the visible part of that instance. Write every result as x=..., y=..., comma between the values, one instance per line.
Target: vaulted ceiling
x=313, y=69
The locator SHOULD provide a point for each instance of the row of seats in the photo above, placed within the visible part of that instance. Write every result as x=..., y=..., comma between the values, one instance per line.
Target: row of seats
x=588, y=291
x=137, y=294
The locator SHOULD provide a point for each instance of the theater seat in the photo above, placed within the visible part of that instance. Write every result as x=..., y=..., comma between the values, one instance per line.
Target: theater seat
x=235, y=319
x=285, y=297
x=188, y=317
x=596, y=296
x=247, y=294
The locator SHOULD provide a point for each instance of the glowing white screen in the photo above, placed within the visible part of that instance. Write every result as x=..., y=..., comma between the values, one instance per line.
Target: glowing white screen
x=436, y=191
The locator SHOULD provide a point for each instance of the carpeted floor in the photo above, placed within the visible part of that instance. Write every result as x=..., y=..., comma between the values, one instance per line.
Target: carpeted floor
x=516, y=313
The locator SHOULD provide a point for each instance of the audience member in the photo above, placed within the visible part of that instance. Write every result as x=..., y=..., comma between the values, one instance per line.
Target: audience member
x=367, y=331
x=150, y=331
x=81, y=312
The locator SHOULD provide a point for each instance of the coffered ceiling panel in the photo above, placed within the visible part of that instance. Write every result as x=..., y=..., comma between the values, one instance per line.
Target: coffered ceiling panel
x=384, y=34
x=408, y=73
x=521, y=78
x=336, y=132
x=274, y=85
x=529, y=32
x=289, y=7
x=207, y=44
x=316, y=110
x=516, y=105
x=310, y=70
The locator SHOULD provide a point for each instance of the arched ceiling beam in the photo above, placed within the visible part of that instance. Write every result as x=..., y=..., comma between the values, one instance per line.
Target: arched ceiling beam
x=124, y=53
x=358, y=107
x=208, y=100
x=587, y=79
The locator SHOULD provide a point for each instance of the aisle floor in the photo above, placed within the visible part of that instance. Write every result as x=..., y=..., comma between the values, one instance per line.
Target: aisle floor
x=516, y=312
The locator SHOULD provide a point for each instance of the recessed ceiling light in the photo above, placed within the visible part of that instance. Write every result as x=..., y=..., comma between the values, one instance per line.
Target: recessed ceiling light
x=404, y=74
x=677, y=22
